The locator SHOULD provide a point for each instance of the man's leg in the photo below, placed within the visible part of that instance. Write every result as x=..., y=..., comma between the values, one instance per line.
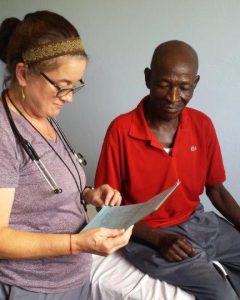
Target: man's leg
x=194, y=275
x=228, y=251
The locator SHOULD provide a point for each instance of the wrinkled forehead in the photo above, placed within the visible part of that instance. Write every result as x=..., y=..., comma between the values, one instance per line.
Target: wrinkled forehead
x=178, y=64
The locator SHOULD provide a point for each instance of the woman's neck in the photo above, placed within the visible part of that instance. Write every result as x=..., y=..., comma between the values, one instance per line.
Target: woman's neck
x=41, y=124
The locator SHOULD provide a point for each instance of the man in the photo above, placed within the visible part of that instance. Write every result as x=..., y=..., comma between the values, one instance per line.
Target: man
x=145, y=151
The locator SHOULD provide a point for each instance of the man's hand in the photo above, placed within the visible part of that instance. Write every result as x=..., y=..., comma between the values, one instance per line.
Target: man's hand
x=175, y=247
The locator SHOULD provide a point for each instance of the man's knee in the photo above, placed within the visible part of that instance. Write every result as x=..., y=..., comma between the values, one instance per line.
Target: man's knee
x=217, y=290
x=204, y=285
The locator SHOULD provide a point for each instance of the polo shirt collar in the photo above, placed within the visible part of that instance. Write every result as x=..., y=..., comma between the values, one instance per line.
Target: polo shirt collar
x=139, y=128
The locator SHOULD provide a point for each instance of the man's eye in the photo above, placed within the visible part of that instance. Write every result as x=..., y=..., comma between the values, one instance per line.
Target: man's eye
x=162, y=85
x=186, y=87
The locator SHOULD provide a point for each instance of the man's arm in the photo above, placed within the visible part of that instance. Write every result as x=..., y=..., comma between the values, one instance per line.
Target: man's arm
x=173, y=247
x=224, y=203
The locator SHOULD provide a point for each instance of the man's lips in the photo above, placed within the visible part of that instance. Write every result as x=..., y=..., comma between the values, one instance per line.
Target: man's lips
x=172, y=108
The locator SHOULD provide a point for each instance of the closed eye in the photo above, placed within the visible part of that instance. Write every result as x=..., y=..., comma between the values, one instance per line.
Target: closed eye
x=186, y=87
x=162, y=84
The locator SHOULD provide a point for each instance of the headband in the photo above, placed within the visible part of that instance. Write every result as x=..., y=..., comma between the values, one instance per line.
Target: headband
x=51, y=50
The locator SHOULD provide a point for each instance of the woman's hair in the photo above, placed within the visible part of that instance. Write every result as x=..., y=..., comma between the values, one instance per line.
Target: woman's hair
x=36, y=30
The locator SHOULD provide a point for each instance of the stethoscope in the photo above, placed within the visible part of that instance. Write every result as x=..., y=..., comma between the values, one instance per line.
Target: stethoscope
x=28, y=148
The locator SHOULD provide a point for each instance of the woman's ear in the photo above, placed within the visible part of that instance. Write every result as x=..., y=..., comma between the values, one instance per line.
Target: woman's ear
x=21, y=69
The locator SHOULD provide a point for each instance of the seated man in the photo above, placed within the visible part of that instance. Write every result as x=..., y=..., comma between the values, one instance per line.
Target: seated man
x=145, y=151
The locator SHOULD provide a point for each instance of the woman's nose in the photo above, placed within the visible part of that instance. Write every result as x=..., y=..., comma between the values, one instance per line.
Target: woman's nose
x=67, y=98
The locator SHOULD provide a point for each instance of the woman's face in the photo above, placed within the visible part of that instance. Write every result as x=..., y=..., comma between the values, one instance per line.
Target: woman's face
x=41, y=95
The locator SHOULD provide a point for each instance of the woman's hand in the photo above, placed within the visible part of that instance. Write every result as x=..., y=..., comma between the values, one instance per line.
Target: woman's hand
x=101, y=241
x=103, y=195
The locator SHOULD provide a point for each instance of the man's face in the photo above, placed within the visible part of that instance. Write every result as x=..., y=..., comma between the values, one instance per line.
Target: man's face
x=171, y=87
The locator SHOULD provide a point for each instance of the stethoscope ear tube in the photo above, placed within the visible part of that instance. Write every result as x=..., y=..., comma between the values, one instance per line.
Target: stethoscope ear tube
x=47, y=176
x=29, y=150
x=36, y=159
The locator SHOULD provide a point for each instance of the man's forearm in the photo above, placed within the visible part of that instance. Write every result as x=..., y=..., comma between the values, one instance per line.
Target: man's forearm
x=225, y=204
x=148, y=234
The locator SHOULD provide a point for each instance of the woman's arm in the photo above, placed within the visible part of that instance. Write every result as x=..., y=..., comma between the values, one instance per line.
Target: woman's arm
x=15, y=244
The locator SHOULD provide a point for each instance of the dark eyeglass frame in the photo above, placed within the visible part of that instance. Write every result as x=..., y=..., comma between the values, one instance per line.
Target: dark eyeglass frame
x=63, y=91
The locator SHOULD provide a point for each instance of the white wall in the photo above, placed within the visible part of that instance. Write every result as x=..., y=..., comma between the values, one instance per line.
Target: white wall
x=120, y=36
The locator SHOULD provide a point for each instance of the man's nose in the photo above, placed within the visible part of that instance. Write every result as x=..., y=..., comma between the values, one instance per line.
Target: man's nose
x=173, y=95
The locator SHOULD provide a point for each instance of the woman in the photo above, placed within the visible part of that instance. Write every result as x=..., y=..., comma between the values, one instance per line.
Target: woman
x=43, y=253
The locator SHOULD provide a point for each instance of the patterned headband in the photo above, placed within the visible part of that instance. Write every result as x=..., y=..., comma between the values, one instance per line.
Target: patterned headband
x=47, y=51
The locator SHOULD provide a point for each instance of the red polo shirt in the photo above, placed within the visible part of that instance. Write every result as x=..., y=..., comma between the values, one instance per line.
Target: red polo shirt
x=133, y=161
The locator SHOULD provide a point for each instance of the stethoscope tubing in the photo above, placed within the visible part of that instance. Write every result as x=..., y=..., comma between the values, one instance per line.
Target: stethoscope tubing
x=28, y=148
x=79, y=156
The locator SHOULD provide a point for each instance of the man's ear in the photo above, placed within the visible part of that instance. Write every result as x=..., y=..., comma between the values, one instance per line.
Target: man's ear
x=21, y=70
x=147, y=73
x=196, y=80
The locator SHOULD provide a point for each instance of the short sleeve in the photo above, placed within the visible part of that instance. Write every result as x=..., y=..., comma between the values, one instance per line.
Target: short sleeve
x=9, y=164
x=109, y=167
x=216, y=172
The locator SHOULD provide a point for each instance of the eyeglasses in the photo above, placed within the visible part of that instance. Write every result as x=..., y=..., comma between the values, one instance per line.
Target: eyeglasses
x=64, y=91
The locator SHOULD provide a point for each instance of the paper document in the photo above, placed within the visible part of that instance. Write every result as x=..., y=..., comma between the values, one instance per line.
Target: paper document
x=127, y=215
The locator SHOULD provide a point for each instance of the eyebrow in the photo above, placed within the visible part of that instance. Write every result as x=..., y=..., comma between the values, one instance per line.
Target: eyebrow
x=68, y=82
x=64, y=81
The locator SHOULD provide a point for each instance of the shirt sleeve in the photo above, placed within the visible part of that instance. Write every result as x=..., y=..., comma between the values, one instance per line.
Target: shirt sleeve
x=109, y=166
x=9, y=165
x=215, y=169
